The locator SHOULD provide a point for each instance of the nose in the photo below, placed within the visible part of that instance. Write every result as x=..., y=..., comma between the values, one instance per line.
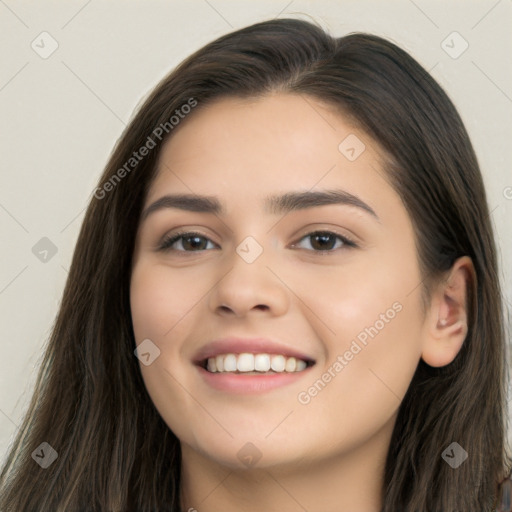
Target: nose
x=249, y=288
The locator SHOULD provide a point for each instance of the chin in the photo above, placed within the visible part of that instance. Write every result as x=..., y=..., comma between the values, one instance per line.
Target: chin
x=249, y=453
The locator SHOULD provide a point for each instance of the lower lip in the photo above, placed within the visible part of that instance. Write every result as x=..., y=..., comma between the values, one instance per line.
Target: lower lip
x=250, y=384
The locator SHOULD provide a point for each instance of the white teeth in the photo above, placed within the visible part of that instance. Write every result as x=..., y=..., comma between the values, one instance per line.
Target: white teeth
x=212, y=367
x=229, y=363
x=291, y=364
x=246, y=362
x=300, y=365
x=262, y=362
x=278, y=363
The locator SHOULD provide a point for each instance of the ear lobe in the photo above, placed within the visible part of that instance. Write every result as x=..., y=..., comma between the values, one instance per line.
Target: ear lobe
x=446, y=324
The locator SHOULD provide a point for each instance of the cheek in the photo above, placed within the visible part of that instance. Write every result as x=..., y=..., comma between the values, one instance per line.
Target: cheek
x=159, y=306
x=372, y=347
x=158, y=302
x=360, y=386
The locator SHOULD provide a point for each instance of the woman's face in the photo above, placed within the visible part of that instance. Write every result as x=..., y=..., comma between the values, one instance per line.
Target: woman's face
x=337, y=284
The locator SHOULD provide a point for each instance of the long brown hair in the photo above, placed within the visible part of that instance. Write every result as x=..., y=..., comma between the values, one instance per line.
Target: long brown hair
x=90, y=404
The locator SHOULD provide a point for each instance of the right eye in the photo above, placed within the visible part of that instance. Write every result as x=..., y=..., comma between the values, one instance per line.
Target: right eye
x=190, y=241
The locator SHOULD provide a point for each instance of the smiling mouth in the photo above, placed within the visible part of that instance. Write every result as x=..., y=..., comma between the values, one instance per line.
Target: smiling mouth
x=254, y=364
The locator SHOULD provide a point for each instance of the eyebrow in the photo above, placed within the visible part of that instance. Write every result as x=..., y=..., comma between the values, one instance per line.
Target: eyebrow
x=276, y=205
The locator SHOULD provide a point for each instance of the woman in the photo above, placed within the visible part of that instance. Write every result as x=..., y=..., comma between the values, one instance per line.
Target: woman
x=284, y=296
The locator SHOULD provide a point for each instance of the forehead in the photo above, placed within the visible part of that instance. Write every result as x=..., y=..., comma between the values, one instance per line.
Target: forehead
x=277, y=125
x=267, y=142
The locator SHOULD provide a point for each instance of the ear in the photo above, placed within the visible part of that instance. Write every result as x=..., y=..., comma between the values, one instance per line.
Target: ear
x=446, y=321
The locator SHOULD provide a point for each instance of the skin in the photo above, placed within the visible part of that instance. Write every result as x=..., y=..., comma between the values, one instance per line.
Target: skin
x=327, y=455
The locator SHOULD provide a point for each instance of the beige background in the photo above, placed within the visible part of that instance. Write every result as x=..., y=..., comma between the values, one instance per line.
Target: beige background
x=62, y=114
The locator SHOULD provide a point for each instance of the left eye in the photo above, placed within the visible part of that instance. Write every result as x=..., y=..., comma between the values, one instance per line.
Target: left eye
x=195, y=242
x=323, y=241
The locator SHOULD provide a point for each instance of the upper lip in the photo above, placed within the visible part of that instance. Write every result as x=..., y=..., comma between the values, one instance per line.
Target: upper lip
x=247, y=345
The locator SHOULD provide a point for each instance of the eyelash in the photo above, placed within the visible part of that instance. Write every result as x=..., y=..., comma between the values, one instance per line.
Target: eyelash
x=169, y=241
